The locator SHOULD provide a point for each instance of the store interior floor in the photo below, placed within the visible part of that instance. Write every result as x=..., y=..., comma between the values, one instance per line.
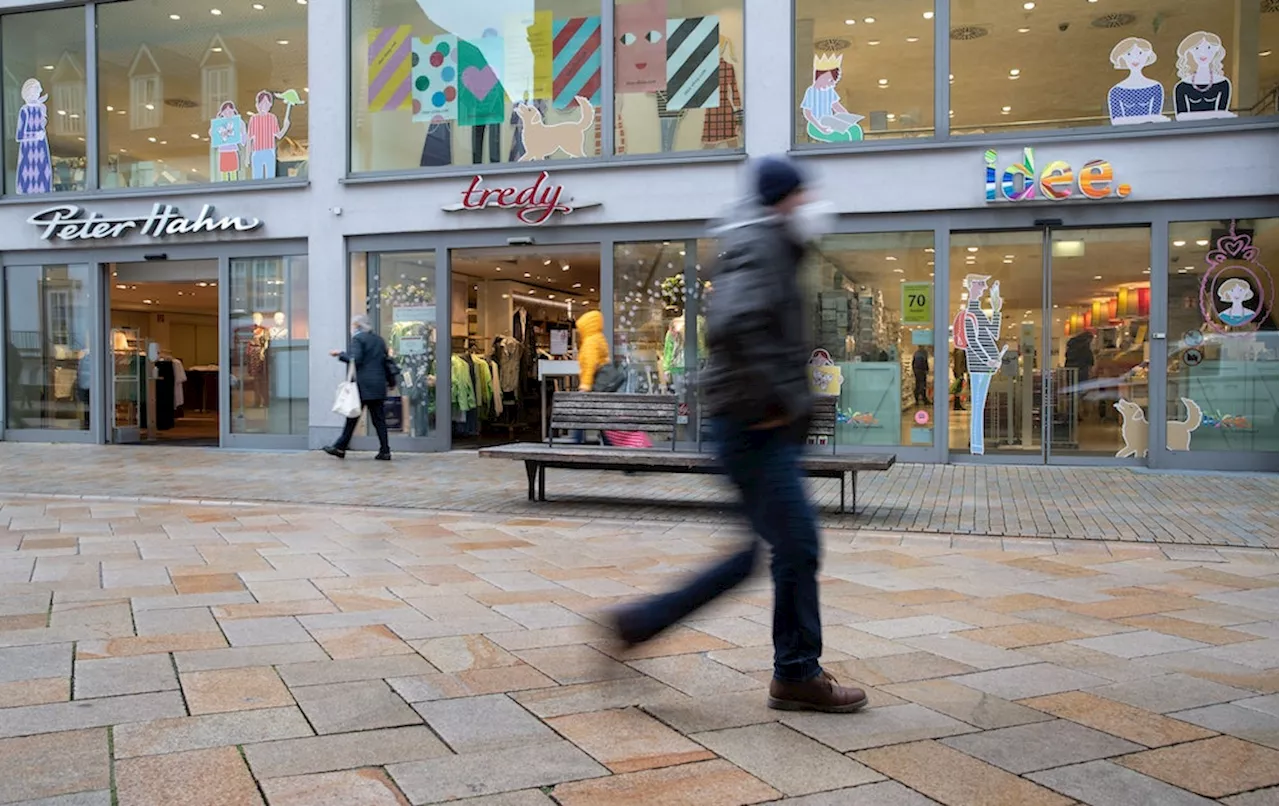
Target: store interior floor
x=173, y=304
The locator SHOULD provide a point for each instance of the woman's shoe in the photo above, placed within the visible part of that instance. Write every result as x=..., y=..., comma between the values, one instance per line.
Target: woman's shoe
x=383, y=457
x=335, y=451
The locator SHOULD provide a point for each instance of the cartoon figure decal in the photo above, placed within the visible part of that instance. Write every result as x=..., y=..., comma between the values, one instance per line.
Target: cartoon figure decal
x=640, y=63
x=829, y=121
x=1236, y=292
x=265, y=131
x=1136, y=99
x=226, y=138
x=542, y=140
x=34, y=169
x=977, y=333
x=825, y=376
x=1204, y=90
x=1235, y=277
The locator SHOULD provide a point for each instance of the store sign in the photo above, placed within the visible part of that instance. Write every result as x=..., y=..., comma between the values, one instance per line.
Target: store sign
x=1057, y=181
x=67, y=222
x=534, y=204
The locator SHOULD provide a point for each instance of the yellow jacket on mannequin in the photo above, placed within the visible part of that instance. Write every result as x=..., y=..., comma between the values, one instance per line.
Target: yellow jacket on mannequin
x=593, y=348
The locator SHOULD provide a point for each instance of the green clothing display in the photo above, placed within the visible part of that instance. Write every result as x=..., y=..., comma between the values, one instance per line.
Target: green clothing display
x=673, y=346
x=484, y=382
x=464, y=394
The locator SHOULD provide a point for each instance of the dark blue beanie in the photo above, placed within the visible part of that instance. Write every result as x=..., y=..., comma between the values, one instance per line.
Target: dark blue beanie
x=776, y=179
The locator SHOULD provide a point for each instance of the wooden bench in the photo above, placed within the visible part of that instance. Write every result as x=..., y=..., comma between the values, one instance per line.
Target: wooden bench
x=657, y=415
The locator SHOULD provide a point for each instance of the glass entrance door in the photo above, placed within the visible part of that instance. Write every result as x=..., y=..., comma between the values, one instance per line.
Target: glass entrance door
x=1049, y=339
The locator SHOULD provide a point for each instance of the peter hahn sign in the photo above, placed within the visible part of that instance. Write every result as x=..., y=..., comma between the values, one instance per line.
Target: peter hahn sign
x=66, y=222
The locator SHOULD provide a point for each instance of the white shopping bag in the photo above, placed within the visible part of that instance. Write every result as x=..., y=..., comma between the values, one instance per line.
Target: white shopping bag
x=347, y=403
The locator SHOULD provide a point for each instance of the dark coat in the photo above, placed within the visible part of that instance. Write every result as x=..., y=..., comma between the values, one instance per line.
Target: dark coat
x=759, y=353
x=368, y=352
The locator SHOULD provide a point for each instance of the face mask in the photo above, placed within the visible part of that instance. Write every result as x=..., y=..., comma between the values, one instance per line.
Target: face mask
x=809, y=222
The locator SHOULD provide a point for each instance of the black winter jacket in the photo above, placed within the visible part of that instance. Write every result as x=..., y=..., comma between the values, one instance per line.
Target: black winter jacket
x=368, y=352
x=756, y=333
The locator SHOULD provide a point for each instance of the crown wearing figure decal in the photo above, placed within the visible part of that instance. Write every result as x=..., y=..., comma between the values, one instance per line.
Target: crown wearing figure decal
x=824, y=62
x=1233, y=247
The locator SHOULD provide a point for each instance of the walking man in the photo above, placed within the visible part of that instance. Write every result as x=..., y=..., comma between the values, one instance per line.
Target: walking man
x=756, y=389
x=977, y=333
x=920, y=371
x=368, y=354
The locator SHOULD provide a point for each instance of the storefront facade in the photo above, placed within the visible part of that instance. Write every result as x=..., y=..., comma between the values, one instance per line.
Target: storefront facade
x=1111, y=248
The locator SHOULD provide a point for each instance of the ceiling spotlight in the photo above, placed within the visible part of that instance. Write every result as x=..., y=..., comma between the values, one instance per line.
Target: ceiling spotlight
x=869, y=20
x=1029, y=6
x=1202, y=242
x=258, y=6
x=928, y=15
x=217, y=12
x=1015, y=72
x=175, y=16
x=1024, y=30
x=1097, y=276
x=913, y=39
x=874, y=42
x=1179, y=243
x=973, y=248
x=850, y=22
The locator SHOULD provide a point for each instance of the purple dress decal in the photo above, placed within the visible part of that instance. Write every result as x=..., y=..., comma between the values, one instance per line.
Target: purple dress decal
x=35, y=170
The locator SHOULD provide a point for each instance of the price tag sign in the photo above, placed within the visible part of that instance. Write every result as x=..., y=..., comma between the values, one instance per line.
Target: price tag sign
x=917, y=303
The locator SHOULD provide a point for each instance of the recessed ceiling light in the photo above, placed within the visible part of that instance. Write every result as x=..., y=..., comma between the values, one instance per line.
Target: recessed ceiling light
x=258, y=6
x=874, y=42
x=111, y=109
x=122, y=287
x=1015, y=72
x=49, y=67
x=1264, y=53
x=890, y=257
x=195, y=137
x=973, y=248
x=928, y=15
x=884, y=82
x=850, y=22
x=1004, y=110
x=1202, y=242
x=122, y=112
x=869, y=20
x=217, y=12
x=527, y=274
x=1029, y=6
x=913, y=39
x=151, y=139
x=1146, y=271
x=282, y=41
x=1097, y=276
x=1024, y=30
x=1008, y=257
x=899, y=271
x=890, y=116
x=1179, y=243
x=151, y=107
x=175, y=16
x=302, y=2
x=1007, y=261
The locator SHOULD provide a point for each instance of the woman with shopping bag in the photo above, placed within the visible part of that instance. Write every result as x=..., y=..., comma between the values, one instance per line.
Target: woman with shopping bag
x=368, y=376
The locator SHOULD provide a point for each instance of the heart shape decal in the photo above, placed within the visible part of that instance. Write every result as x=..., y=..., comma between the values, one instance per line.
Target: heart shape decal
x=479, y=81
x=1234, y=246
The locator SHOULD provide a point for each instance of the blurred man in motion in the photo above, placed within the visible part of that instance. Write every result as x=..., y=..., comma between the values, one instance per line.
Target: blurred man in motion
x=756, y=389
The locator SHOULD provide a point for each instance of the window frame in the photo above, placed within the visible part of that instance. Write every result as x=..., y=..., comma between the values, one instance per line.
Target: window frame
x=93, y=129
x=944, y=138
x=607, y=113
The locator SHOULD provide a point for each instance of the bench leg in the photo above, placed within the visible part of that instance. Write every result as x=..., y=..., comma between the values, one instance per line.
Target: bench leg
x=853, y=505
x=542, y=482
x=531, y=470
x=842, y=492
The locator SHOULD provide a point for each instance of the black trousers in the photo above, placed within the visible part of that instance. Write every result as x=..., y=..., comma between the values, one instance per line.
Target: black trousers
x=378, y=415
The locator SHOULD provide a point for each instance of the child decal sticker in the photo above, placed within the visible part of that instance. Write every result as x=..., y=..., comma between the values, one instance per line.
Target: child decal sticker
x=1204, y=91
x=829, y=121
x=265, y=131
x=1136, y=99
x=226, y=138
x=35, y=169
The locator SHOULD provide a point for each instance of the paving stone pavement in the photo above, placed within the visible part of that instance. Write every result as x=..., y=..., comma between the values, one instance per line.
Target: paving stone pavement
x=1087, y=503
x=299, y=655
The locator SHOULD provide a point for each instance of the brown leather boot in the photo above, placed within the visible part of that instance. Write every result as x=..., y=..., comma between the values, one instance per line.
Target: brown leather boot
x=821, y=693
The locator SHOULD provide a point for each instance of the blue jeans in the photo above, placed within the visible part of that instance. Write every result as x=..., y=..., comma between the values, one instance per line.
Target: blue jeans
x=263, y=164
x=979, y=383
x=764, y=467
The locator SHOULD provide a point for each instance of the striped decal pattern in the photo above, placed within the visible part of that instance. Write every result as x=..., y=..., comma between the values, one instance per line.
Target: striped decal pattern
x=389, y=68
x=693, y=63
x=575, y=61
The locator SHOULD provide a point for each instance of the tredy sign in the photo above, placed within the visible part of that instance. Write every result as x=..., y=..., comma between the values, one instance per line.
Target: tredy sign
x=534, y=204
x=1058, y=180
x=67, y=222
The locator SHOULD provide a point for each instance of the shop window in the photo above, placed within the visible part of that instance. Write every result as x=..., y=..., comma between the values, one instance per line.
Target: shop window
x=678, y=75
x=1055, y=64
x=863, y=70
x=48, y=367
x=193, y=94
x=439, y=82
x=270, y=337
x=872, y=314
x=44, y=101
x=1222, y=372
x=397, y=290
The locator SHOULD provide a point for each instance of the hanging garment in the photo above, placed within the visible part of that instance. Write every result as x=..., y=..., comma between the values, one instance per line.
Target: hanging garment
x=507, y=351
x=437, y=148
x=179, y=378
x=484, y=382
x=724, y=122
x=497, y=391
x=463, y=392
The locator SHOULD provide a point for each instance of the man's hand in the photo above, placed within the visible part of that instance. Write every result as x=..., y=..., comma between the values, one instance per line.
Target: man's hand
x=335, y=353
